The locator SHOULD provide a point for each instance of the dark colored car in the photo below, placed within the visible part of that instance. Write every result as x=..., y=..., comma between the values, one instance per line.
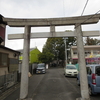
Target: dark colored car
x=41, y=68
x=93, y=76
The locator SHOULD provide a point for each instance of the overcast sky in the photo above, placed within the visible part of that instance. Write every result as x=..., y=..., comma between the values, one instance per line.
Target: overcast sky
x=45, y=9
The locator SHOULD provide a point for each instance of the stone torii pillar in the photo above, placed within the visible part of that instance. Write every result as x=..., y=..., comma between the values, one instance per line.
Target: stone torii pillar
x=25, y=64
x=82, y=64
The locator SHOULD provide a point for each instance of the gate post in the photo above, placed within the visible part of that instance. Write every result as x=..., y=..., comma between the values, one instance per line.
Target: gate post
x=52, y=30
x=82, y=64
x=25, y=64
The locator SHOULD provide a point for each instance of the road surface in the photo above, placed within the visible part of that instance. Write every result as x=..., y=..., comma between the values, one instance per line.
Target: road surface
x=52, y=86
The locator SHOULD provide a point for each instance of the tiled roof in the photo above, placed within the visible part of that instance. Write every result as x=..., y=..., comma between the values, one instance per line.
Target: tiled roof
x=8, y=48
x=21, y=50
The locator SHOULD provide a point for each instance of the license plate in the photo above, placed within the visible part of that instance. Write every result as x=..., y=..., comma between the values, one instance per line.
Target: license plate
x=72, y=74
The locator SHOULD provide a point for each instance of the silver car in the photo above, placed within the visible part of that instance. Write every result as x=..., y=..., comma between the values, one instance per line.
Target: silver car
x=70, y=70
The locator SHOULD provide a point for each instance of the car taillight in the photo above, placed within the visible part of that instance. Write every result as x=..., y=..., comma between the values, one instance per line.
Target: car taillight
x=94, y=79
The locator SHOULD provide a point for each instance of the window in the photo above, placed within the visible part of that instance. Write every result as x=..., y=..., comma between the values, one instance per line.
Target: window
x=98, y=70
x=75, y=52
x=70, y=67
x=95, y=52
x=3, y=59
x=87, y=52
x=13, y=61
x=89, y=70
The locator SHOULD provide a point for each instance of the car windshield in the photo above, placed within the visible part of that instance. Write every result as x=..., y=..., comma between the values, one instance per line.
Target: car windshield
x=70, y=67
x=40, y=66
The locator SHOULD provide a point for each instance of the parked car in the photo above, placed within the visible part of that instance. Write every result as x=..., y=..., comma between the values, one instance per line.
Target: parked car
x=93, y=76
x=41, y=68
x=70, y=70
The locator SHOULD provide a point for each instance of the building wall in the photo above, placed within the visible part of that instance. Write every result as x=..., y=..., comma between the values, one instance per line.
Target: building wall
x=12, y=63
x=11, y=53
x=3, y=71
x=34, y=56
x=89, y=51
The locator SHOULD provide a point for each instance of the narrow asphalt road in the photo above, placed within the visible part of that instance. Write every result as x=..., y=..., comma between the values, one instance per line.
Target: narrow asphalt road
x=52, y=86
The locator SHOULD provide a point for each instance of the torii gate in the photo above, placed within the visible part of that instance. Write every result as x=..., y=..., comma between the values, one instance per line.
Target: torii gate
x=52, y=22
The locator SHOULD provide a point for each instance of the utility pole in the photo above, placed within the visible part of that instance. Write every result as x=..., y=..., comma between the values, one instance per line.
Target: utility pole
x=65, y=51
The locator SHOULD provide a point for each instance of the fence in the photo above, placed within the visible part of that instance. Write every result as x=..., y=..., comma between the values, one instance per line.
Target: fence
x=32, y=68
x=8, y=80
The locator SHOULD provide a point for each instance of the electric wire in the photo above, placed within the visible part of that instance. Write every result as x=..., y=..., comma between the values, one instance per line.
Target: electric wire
x=84, y=7
x=88, y=18
x=82, y=13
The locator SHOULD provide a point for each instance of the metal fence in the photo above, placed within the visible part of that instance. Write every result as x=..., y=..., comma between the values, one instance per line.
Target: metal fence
x=8, y=80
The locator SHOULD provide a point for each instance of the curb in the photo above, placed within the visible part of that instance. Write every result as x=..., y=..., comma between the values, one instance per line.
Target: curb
x=9, y=91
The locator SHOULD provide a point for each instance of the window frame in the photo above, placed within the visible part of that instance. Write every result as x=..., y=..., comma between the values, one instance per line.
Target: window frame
x=1, y=60
x=89, y=70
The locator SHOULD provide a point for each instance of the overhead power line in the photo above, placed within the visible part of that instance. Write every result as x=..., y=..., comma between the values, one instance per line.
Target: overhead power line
x=84, y=7
x=88, y=18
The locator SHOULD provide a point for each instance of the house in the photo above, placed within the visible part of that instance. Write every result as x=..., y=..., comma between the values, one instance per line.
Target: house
x=33, y=56
x=9, y=60
x=33, y=59
x=92, y=53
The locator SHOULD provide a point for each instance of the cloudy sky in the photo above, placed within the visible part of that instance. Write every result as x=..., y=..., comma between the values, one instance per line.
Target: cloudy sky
x=45, y=9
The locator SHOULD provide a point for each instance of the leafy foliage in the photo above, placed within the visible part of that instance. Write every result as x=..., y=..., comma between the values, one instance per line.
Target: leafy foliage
x=55, y=49
x=46, y=57
x=55, y=46
x=91, y=41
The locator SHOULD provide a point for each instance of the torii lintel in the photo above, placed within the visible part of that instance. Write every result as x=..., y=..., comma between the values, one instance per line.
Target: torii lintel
x=18, y=22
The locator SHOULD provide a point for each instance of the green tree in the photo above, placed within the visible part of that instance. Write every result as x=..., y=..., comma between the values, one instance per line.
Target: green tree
x=54, y=49
x=91, y=41
x=46, y=57
x=56, y=46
